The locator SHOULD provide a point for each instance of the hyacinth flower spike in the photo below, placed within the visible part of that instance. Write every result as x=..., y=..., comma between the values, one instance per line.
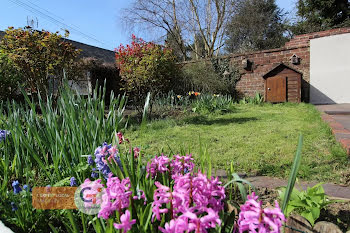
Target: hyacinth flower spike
x=126, y=223
x=253, y=218
x=16, y=187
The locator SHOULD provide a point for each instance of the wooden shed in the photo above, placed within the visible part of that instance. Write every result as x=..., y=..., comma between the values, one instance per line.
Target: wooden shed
x=282, y=84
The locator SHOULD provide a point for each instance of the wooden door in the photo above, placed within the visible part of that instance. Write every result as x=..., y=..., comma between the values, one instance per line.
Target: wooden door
x=276, y=89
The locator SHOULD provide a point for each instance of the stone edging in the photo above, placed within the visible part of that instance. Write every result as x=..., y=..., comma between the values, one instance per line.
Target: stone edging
x=339, y=129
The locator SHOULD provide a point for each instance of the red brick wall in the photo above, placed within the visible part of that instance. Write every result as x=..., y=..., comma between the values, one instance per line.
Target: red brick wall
x=252, y=81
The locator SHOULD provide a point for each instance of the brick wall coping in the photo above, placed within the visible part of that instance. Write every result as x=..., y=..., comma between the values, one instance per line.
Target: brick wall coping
x=297, y=42
x=330, y=32
x=246, y=54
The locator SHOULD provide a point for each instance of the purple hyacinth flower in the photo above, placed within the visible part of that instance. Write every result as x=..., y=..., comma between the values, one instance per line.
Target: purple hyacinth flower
x=94, y=174
x=16, y=188
x=14, y=206
x=73, y=182
x=105, y=170
x=90, y=160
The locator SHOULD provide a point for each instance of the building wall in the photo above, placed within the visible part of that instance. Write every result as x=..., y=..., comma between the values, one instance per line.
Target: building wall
x=330, y=69
x=252, y=81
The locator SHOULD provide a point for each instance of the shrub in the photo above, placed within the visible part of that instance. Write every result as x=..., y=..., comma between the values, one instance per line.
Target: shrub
x=9, y=78
x=145, y=67
x=215, y=77
x=39, y=55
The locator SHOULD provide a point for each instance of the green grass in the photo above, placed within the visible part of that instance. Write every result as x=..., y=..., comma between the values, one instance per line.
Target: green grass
x=259, y=140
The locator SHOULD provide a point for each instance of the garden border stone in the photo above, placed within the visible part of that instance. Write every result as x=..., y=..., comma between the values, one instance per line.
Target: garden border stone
x=332, y=114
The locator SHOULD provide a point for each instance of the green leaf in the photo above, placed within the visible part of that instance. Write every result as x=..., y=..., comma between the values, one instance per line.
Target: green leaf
x=315, y=212
x=308, y=216
x=82, y=166
x=289, y=210
x=293, y=174
x=145, y=110
x=63, y=182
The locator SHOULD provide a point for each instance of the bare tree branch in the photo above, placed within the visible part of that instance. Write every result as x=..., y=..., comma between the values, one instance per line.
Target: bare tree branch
x=186, y=22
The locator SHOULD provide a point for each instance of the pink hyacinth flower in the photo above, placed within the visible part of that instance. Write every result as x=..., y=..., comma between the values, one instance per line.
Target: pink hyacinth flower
x=175, y=226
x=157, y=164
x=125, y=224
x=253, y=218
x=120, y=137
x=136, y=152
x=116, y=196
x=181, y=165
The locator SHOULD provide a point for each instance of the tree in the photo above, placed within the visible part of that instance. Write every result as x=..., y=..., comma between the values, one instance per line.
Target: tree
x=172, y=42
x=255, y=25
x=39, y=55
x=318, y=15
x=182, y=21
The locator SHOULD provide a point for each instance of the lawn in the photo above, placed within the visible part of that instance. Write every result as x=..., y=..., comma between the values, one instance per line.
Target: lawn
x=259, y=140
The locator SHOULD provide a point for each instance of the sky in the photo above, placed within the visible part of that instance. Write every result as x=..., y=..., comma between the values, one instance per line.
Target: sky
x=91, y=22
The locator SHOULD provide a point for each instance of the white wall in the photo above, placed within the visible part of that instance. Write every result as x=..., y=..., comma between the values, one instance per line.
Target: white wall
x=330, y=69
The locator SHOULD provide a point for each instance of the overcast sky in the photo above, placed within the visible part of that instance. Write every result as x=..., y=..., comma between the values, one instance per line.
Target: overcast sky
x=89, y=21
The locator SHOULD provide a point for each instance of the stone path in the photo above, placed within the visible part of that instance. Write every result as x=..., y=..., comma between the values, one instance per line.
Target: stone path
x=338, y=118
x=332, y=190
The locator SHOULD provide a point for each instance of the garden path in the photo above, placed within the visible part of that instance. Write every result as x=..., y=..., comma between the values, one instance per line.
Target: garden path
x=338, y=118
x=333, y=190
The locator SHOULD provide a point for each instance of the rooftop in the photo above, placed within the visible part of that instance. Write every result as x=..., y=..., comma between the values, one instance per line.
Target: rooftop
x=101, y=54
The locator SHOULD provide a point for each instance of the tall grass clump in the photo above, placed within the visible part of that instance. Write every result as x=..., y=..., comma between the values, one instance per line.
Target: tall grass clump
x=44, y=146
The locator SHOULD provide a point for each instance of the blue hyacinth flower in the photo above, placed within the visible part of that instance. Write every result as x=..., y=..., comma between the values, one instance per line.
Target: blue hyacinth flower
x=94, y=174
x=14, y=206
x=90, y=160
x=3, y=134
x=16, y=188
x=73, y=182
x=27, y=188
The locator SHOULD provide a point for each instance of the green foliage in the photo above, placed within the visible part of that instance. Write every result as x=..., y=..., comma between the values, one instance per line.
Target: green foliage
x=318, y=15
x=39, y=55
x=45, y=147
x=24, y=218
x=9, y=78
x=170, y=104
x=145, y=67
x=171, y=100
x=208, y=104
x=215, y=77
x=257, y=99
x=293, y=175
x=308, y=203
x=236, y=182
x=256, y=25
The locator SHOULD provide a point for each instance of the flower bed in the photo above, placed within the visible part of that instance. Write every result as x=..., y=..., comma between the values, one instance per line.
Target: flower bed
x=169, y=194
